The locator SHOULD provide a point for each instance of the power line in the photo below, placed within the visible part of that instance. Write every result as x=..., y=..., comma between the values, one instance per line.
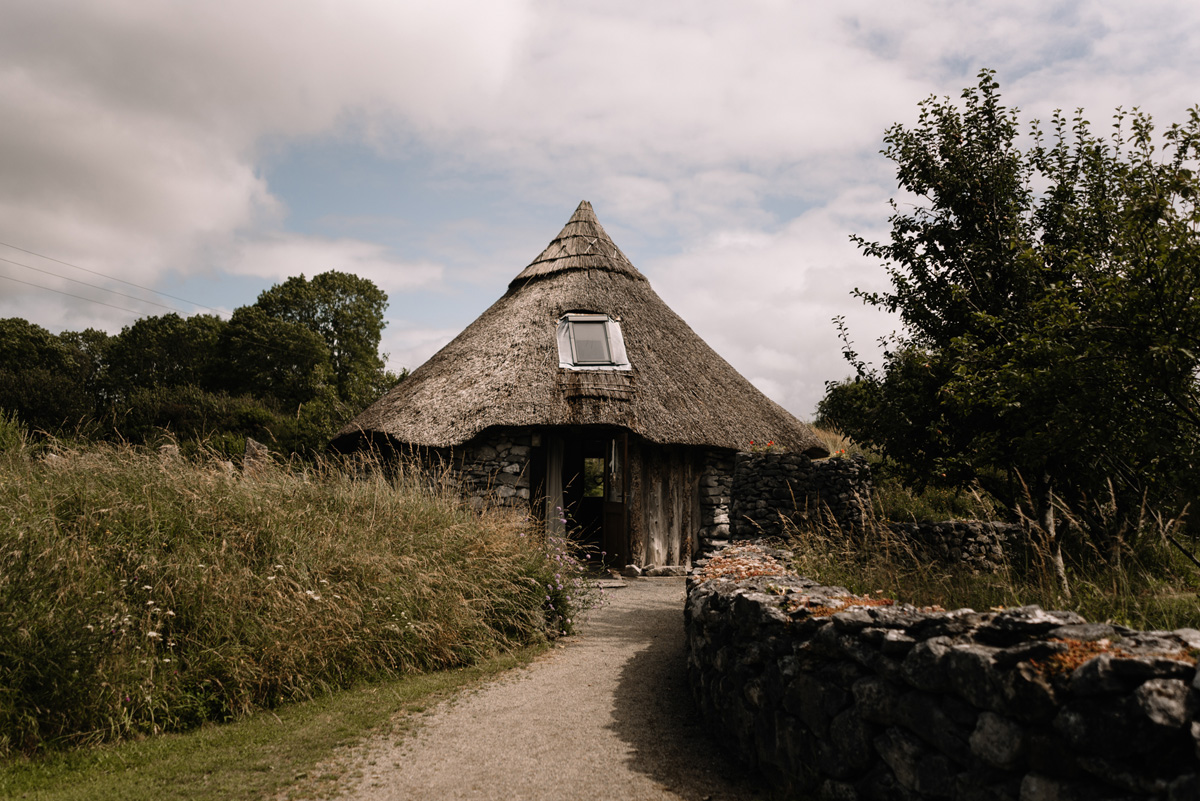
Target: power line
x=256, y=342
x=109, y=277
x=93, y=286
x=69, y=295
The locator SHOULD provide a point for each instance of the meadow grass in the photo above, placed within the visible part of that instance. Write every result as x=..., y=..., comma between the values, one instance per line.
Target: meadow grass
x=1151, y=586
x=143, y=593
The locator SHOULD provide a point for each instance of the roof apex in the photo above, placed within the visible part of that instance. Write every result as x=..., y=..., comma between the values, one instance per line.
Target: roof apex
x=582, y=244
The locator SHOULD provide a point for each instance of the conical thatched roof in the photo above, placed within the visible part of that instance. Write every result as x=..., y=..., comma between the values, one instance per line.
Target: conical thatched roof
x=503, y=369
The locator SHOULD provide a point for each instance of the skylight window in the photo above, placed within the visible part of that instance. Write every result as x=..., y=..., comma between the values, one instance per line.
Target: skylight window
x=591, y=342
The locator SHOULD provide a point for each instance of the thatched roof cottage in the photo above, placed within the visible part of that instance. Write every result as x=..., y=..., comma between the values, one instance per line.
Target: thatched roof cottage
x=580, y=390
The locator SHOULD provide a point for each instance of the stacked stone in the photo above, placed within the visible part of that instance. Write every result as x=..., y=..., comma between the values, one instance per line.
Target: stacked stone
x=893, y=702
x=977, y=544
x=774, y=490
x=843, y=487
x=716, y=490
x=495, y=469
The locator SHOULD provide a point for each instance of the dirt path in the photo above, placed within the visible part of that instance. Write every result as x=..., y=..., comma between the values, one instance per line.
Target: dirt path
x=608, y=716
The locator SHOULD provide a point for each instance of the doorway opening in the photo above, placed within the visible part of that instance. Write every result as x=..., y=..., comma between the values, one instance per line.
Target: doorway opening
x=593, y=470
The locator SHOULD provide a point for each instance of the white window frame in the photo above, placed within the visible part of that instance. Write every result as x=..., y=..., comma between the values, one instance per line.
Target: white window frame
x=616, y=343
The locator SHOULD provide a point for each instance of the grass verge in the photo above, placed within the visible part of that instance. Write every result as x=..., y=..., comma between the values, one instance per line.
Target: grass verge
x=291, y=753
x=143, y=593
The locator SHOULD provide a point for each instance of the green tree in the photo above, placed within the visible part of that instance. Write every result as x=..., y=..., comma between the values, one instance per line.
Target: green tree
x=347, y=313
x=164, y=351
x=1049, y=307
x=271, y=358
x=41, y=377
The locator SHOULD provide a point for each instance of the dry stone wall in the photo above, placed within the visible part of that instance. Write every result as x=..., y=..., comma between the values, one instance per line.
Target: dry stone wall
x=848, y=698
x=773, y=489
x=493, y=468
x=978, y=544
x=716, y=494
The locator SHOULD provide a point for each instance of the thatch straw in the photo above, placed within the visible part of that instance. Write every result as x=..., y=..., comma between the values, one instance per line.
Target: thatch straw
x=502, y=370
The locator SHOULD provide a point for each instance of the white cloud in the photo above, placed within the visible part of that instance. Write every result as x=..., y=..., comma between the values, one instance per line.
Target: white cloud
x=735, y=143
x=281, y=255
x=408, y=348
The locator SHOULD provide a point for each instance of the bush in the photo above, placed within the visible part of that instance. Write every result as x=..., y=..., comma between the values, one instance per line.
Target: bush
x=141, y=593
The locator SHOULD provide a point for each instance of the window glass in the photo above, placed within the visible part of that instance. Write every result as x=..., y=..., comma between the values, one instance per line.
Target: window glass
x=593, y=477
x=591, y=342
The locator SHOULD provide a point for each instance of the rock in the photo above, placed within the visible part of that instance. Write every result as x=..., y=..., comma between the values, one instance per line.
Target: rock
x=901, y=751
x=631, y=571
x=1165, y=702
x=256, y=457
x=998, y=741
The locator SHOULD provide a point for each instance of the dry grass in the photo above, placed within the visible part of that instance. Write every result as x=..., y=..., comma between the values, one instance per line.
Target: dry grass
x=1150, y=587
x=141, y=594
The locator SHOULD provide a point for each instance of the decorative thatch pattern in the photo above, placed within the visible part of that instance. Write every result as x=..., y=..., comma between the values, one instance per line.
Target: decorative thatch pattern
x=502, y=370
x=582, y=244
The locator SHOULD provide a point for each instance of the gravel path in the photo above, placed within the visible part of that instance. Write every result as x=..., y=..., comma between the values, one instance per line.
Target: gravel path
x=607, y=716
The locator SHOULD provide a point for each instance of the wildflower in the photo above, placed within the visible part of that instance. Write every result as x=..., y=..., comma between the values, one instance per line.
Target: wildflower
x=270, y=578
x=146, y=587
x=170, y=613
x=154, y=635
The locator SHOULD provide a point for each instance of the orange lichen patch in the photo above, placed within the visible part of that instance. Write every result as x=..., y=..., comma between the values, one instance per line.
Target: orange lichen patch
x=842, y=604
x=741, y=562
x=1078, y=652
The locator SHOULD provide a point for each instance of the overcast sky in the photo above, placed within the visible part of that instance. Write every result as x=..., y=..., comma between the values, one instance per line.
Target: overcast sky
x=209, y=150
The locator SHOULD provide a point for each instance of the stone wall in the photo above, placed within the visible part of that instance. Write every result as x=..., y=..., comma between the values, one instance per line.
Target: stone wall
x=774, y=489
x=977, y=544
x=716, y=491
x=839, y=697
x=493, y=468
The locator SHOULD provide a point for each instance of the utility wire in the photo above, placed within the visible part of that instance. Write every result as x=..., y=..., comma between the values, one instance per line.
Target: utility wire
x=69, y=295
x=109, y=277
x=93, y=286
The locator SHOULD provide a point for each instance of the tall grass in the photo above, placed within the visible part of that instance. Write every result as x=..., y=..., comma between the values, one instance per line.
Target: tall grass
x=141, y=593
x=1151, y=586
x=892, y=499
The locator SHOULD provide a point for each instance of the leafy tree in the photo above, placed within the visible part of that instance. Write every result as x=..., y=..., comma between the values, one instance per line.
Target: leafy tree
x=1050, y=307
x=41, y=377
x=347, y=313
x=164, y=351
x=267, y=357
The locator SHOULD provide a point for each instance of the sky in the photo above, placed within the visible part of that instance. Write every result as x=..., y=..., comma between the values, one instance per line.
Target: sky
x=207, y=151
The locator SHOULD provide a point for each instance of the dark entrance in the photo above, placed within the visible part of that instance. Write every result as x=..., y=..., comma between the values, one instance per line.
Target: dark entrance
x=594, y=471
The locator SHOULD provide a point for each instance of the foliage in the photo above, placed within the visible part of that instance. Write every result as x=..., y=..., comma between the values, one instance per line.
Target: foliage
x=269, y=372
x=267, y=357
x=163, y=351
x=1050, y=303
x=144, y=593
x=347, y=313
x=13, y=435
x=40, y=378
